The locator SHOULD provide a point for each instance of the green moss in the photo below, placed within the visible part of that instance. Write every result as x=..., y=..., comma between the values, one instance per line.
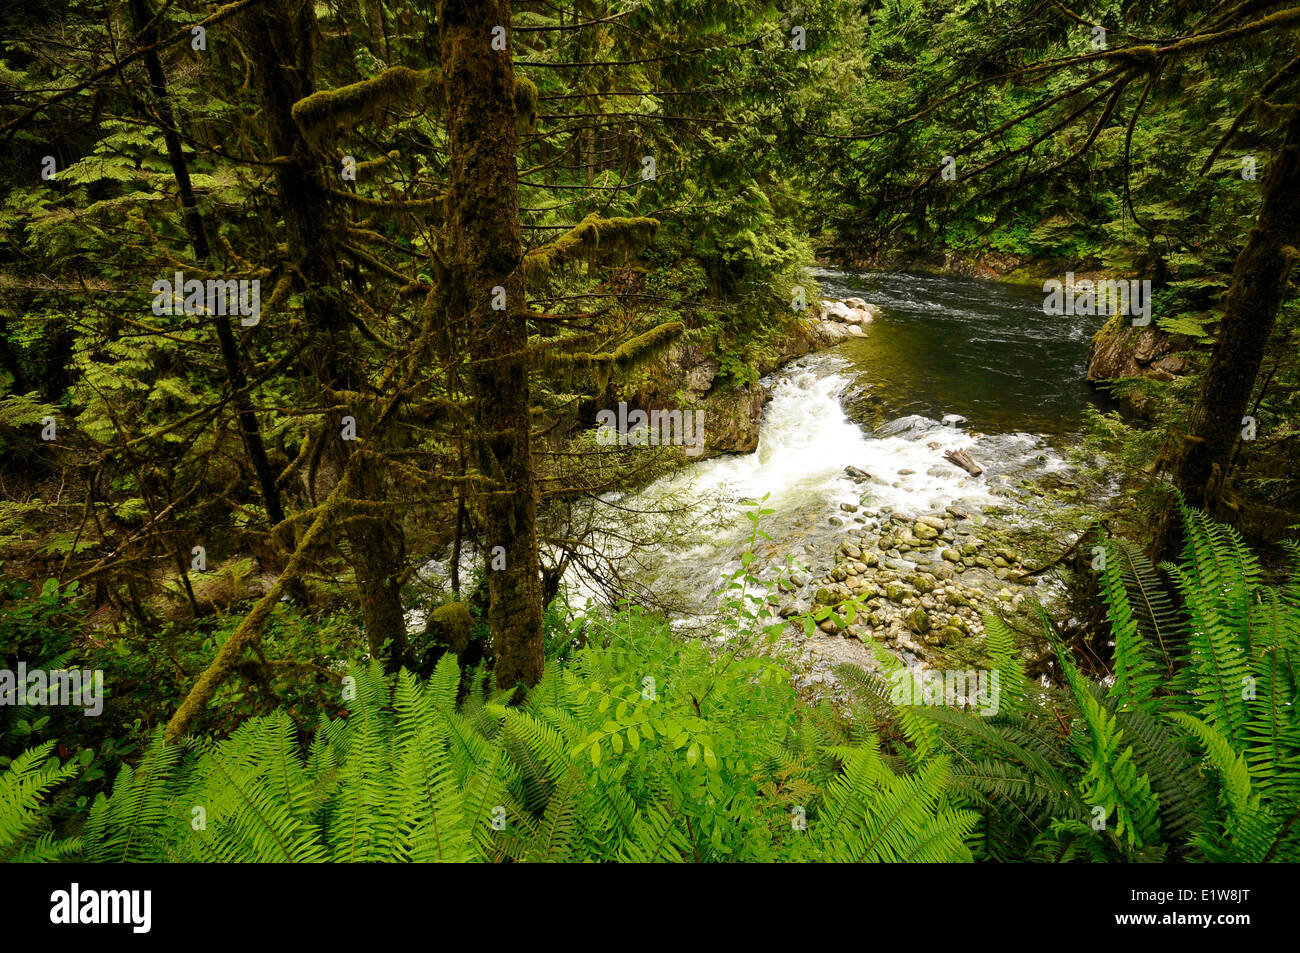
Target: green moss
x=324, y=112
x=630, y=354
x=451, y=625
x=526, y=103
x=592, y=239
x=645, y=347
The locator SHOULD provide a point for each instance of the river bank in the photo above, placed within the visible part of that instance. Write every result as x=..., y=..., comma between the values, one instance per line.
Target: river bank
x=850, y=455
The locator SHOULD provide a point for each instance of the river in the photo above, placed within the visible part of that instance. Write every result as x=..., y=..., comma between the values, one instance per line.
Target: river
x=983, y=351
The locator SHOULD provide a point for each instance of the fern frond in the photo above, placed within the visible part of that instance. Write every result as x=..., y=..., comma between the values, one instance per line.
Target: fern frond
x=132, y=824
x=28, y=778
x=1139, y=609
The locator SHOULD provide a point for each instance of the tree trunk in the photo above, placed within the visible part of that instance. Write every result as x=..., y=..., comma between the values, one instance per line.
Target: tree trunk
x=249, y=431
x=378, y=557
x=378, y=40
x=284, y=34
x=485, y=253
x=1259, y=279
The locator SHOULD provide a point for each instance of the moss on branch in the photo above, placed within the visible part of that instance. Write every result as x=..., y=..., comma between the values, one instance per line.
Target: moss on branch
x=631, y=353
x=526, y=104
x=329, y=110
x=592, y=239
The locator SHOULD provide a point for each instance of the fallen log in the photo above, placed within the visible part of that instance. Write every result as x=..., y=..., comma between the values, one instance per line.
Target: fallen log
x=960, y=458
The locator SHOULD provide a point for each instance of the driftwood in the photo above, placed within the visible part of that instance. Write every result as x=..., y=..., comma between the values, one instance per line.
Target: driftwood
x=960, y=458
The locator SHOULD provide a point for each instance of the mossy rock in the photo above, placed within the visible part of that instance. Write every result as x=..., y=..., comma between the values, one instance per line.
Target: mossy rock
x=222, y=588
x=450, y=625
x=829, y=596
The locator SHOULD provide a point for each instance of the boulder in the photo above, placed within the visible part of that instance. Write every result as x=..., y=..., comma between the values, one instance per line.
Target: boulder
x=1120, y=350
x=451, y=626
x=830, y=333
x=852, y=311
x=831, y=595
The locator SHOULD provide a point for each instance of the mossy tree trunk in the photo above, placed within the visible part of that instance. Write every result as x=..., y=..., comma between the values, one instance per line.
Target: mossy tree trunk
x=284, y=39
x=485, y=252
x=1259, y=281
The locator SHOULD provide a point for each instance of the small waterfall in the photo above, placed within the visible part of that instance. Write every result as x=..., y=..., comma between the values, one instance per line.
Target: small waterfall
x=805, y=443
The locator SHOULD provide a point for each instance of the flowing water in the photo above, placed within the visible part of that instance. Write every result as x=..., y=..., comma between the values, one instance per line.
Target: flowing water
x=980, y=349
x=941, y=346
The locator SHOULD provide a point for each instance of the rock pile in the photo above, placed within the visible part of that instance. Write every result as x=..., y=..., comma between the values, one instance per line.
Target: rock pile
x=924, y=583
x=836, y=321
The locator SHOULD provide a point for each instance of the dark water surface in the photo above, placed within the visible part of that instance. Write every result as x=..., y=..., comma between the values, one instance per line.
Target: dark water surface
x=981, y=349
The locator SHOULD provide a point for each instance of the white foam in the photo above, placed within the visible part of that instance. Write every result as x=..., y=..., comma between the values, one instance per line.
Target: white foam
x=806, y=441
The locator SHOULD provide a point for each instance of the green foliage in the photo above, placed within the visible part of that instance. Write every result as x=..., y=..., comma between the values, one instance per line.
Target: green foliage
x=1190, y=752
x=642, y=748
x=639, y=746
x=24, y=832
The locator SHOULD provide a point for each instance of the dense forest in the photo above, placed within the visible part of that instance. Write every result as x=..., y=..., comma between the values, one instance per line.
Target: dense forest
x=612, y=430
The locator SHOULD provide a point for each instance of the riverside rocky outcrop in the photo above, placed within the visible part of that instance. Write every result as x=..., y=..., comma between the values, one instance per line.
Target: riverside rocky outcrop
x=1121, y=351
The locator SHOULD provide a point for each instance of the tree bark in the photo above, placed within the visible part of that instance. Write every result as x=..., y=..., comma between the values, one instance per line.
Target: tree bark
x=485, y=253
x=1259, y=280
x=284, y=40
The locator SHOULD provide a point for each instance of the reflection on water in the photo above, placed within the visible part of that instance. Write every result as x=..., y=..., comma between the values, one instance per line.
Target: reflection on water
x=980, y=349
